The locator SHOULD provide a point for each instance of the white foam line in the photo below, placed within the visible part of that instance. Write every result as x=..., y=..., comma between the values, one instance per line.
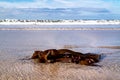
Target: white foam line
x=59, y=23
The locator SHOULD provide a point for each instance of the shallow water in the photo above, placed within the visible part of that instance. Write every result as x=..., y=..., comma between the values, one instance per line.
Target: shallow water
x=16, y=45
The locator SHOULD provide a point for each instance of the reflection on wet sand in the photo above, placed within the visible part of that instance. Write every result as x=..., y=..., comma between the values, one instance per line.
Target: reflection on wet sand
x=112, y=47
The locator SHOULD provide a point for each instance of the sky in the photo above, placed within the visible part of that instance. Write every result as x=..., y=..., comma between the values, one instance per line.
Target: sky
x=59, y=9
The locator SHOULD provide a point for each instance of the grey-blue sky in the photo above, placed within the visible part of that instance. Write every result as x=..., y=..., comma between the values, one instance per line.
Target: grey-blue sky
x=60, y=9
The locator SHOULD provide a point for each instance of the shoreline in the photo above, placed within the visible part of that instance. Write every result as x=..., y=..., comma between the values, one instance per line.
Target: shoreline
x=56, y=28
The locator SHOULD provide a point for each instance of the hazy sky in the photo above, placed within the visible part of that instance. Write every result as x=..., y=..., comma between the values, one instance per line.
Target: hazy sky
x=60, y=9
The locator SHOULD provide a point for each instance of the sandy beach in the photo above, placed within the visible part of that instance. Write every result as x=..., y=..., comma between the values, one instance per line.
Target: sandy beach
x=16, y=46
x=13, y=67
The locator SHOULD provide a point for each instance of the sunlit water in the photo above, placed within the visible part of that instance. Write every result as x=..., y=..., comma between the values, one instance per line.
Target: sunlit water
x=18, y=44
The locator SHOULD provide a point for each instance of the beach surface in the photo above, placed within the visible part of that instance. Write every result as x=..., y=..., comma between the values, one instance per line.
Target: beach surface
x=17, y=46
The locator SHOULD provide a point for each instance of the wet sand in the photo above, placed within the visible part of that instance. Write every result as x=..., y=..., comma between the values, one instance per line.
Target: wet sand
x=14, y=67
x=16, y=47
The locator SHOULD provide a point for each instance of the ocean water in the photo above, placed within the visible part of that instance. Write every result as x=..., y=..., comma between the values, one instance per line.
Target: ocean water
x=16, y=45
